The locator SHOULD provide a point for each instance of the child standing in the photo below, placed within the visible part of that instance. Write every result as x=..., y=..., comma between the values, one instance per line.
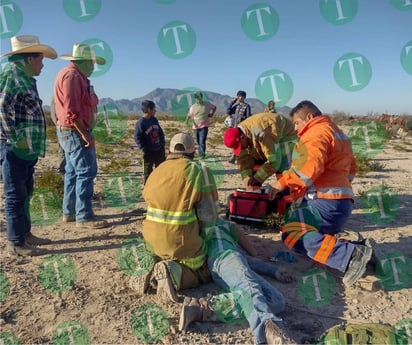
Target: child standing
x=150, y=138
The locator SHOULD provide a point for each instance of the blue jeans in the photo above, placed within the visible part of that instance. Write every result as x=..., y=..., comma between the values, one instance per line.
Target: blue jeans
x=81, y=169
x=234, y=270
x=201, y=136
x=18, y=188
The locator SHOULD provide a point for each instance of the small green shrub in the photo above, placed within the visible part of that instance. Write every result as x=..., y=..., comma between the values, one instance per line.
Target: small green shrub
x=51, y=180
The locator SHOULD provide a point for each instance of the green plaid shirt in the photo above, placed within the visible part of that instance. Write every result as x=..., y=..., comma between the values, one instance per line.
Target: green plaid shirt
x=22, y=121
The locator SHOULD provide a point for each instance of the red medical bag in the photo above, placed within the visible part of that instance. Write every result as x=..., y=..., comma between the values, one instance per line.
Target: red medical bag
x=254, y=206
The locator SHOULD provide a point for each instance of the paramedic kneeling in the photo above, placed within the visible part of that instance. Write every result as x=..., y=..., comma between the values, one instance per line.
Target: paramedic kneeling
x=319, y=179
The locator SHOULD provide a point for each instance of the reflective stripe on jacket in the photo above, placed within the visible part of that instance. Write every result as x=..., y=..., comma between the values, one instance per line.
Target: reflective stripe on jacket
x=323, y=161
x=177, y=193
x=272, y=137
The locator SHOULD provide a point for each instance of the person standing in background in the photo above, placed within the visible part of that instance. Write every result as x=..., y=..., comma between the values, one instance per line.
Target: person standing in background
x=150, y=138
x=75, y=103
x=200, y=112
x=239, y=110
x=22, y=138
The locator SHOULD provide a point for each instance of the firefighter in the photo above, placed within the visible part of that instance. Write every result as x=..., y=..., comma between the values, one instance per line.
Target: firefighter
x=263, y=144
x=181, y=197
x=319, y=180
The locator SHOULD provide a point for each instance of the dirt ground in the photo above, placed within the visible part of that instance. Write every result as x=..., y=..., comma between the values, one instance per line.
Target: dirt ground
x=79, y=292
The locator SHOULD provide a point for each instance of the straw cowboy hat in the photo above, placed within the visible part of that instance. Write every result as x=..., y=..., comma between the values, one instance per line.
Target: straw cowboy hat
x=83, y=52
x=29, y=44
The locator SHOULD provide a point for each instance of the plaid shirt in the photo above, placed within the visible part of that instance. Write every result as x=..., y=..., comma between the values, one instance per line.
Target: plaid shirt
x=22, y=121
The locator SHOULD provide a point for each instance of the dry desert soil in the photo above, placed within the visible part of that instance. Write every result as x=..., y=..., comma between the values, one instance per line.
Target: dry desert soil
x=79, y=292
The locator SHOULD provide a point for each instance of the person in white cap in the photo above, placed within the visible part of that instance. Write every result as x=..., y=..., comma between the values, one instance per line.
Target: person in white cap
x=75, y=106
x=181, y=198
x=22, y=138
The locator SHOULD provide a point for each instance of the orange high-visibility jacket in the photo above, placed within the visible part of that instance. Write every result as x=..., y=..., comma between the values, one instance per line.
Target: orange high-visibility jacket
x=322, y=161
x=181, y=197
x=272, y=137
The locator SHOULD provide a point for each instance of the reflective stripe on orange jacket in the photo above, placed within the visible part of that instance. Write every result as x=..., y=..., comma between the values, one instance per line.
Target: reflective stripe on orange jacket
x=322, y=161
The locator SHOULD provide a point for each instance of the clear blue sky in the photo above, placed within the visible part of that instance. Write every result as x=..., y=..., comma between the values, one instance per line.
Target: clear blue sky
x=305, y=46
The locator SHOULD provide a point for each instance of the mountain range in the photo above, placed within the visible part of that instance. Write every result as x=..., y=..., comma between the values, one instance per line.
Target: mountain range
x=164, y=99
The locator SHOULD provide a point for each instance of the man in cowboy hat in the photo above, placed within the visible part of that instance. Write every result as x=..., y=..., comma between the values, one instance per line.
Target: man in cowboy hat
x=22, y=138
x=75, y=106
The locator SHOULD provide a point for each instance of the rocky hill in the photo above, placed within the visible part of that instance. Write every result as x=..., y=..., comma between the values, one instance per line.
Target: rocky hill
x=165, y=100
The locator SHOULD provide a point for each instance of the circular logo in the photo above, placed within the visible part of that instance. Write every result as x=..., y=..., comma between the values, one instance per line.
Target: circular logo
x=352, y=72
x=71, y=332
x=134, y=259
x=82, y=10
x=121, y=190
x=339, y=12
x=316, y=287
x=406, y=56
x=215, y=165
x=274, y=85
x=232, y=307
x=57, y=273
x=394, y=271
x=380, y=204
x=260, y=22
x=368, y=138
x=45, y=207
x=11, y=19
x=403, y=5
x=182, y=102
x=4, y=286
x=111, y=124
x=176, y=40
x=149, y=323
x=404, y=330
x=102, y=49
x=9, y=339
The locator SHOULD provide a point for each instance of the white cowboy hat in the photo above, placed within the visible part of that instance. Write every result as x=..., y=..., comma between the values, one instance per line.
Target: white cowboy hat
x=29, y=44
x=83, y=52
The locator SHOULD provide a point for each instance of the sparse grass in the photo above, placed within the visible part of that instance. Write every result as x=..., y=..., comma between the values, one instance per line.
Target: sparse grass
x=116, y=165
x=402, y=148
x=366, y=165
x=104, y=150
x=50, y=180
x=274, y=221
